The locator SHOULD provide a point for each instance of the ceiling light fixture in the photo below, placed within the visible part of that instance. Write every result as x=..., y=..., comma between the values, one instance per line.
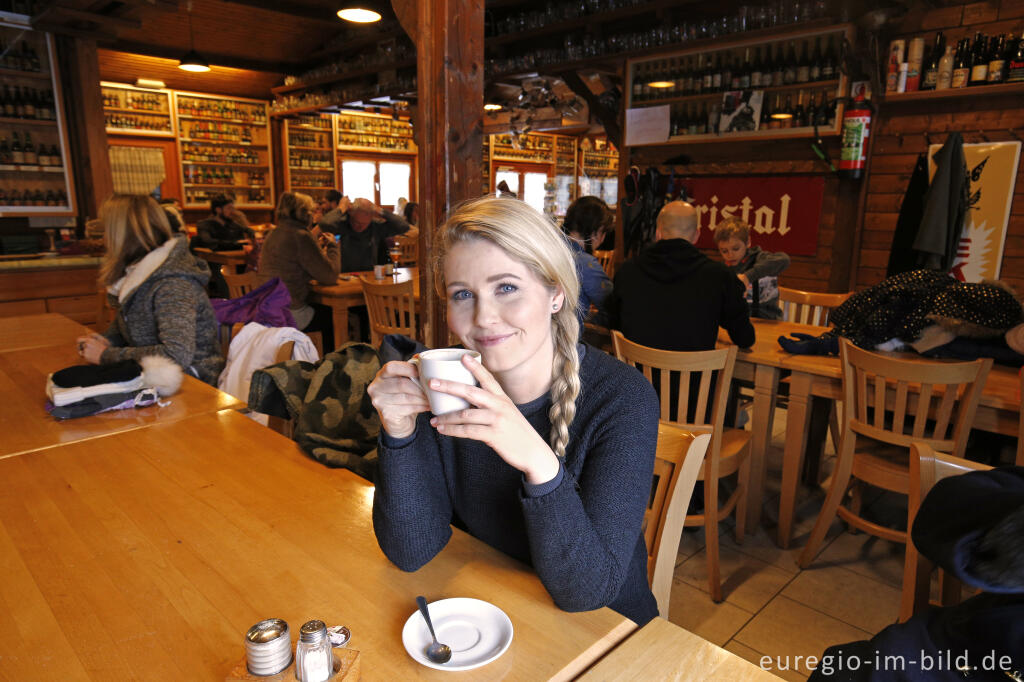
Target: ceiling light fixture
x=661, y=84
x=192, y=61
x=492, y=107
x=359, y=12
x=781, y=115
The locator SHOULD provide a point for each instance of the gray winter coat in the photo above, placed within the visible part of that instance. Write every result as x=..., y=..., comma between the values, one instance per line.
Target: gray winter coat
x=162, y=309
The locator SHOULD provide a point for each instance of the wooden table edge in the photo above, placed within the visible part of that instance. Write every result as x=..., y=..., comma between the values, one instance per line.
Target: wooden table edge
x=597, y=651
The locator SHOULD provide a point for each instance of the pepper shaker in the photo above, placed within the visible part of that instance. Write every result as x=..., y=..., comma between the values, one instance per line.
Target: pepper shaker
x=313, y=659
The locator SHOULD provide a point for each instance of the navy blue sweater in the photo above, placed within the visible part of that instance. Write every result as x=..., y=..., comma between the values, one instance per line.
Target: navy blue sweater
x=583, y=537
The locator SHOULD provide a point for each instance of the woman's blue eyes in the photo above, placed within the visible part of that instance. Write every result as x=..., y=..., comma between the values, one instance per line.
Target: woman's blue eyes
x=465, y=294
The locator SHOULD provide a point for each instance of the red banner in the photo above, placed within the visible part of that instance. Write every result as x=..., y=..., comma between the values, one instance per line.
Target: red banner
x=783, y=212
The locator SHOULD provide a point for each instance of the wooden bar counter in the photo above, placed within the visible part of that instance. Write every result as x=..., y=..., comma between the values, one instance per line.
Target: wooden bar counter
x=148, y=554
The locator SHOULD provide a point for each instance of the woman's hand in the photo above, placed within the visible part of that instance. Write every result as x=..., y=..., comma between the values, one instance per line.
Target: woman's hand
x=91, y=347
x=397, y=398
x=496, y=421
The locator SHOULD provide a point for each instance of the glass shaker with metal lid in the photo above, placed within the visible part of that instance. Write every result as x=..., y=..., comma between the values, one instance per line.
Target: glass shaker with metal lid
x=313, y=659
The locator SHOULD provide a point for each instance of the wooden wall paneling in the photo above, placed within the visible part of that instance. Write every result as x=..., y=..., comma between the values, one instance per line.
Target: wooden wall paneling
x=87, y=138
x=450, y=102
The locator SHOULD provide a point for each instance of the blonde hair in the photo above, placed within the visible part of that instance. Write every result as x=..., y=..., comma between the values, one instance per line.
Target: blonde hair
x=730, y=228
x=530, y=238
x=295, y=206
x=133, y=225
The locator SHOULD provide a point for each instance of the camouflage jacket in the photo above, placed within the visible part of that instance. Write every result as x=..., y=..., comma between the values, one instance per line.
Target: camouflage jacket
x=334, y=421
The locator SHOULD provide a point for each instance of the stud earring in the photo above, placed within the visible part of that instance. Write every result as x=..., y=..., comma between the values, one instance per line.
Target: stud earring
x=555, y=307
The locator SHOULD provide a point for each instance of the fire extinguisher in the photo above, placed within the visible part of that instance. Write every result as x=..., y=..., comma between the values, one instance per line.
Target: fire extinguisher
x=856, y=125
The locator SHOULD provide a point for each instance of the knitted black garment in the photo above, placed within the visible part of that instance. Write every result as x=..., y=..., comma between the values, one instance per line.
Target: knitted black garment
x=583, y=538
x=95, y=375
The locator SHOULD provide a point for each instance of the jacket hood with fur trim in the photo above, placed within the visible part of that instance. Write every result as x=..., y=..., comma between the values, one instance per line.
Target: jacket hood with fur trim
x=170, y=259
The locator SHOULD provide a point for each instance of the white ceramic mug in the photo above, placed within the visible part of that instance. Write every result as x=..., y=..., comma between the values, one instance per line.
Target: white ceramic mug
x=445, y=364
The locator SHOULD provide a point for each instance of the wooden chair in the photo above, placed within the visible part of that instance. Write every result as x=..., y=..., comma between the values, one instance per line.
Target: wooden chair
x=391, y=307
x=105, y=313
x=238, y=285
x=928, y=467
x=607, y=260
x=729, y=449
x=808, y=307
x=677, y=465
x=940, y=399
x=410, y=249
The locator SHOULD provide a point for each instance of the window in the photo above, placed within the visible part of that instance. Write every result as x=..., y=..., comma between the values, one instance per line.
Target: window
x=394, y=182
x=382, y=182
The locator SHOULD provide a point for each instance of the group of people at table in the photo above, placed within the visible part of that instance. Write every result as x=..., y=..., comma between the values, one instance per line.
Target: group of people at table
x=552, y=463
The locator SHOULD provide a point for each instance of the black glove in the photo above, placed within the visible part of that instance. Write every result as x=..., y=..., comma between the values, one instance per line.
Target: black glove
x=806, y=344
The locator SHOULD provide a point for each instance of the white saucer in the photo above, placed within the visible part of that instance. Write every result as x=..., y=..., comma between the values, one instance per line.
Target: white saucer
x=476, y=631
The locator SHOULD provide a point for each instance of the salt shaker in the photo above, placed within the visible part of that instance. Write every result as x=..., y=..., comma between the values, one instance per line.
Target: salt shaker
x=313, y=659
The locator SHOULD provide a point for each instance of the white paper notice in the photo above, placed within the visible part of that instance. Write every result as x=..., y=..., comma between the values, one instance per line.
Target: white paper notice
x=647, y=125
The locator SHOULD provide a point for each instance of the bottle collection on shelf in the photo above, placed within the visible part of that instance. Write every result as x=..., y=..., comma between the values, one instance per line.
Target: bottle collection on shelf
x=225, y=110
x=986, y=60
x=374, y=126
x=217, y=132
x=310, y=160
x=312, y=179
x=528, y=147
x=132, y=122
x=192, y=151
x=775, y=65
x=201, y=197
x=298, y=138
x=372, y=141
x=33, y=197
x=224, y=177
x=24, y=59
x=21, y=154
x=116, y=98
x=27, y=103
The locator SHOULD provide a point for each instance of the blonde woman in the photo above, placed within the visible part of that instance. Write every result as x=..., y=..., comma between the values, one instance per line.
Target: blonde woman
x=158, y=290
x=297, y=252
x=552, y=464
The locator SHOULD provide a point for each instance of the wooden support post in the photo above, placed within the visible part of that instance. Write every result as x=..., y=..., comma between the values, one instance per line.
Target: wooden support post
x=450, y=52
x=83, y=103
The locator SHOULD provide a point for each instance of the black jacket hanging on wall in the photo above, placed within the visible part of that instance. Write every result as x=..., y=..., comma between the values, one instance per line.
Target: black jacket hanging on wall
x=945, y=207
x=902, y=257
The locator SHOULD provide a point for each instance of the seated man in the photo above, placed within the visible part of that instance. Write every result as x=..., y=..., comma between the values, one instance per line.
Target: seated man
x=673, y=297
x=225, y=230
x=364, y=229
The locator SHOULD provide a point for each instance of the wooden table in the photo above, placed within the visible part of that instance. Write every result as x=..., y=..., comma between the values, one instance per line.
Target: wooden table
x=35, y=331
x=236, y=259
x=347, y=292
x=27, y=426
x=664, y=651
x=148, y=554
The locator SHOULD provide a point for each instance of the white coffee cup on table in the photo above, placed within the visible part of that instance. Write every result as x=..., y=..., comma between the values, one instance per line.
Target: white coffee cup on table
x=445, y=364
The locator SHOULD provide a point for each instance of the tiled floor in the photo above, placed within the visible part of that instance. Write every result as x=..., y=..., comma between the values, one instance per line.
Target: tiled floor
x=771, y=607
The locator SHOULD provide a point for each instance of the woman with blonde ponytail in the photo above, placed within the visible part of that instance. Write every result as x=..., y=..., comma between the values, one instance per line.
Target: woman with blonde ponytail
x=552, y=461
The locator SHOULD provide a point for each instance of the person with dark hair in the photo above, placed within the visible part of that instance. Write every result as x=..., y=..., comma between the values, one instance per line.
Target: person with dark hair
x=364, y=229
x=971, y=526
x=412, y=213
x=158, y=290
x=331, y=211
x=586, y=223
x=226, y=229
x=297, y=252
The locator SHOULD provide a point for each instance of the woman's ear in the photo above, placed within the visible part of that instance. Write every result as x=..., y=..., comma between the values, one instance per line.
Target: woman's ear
x=557, y=300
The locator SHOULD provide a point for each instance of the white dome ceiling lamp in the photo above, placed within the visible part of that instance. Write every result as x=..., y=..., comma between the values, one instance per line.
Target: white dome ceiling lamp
x=192, y=61
x=360, y=12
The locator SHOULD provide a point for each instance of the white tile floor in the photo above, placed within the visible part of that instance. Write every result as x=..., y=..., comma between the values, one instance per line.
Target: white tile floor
x=771, y=607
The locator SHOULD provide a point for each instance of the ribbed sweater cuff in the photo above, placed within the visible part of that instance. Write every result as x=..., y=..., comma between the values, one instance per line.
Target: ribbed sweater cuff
x=389, y=441
x=541, y=489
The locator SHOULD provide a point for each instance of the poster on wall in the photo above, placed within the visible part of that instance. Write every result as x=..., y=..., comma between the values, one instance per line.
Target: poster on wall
x=783, y=212
x=992, y=172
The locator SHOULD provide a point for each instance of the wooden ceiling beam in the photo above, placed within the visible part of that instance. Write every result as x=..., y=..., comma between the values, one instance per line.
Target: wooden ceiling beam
x=167, y=52
x=319, y=13
x=57, y=13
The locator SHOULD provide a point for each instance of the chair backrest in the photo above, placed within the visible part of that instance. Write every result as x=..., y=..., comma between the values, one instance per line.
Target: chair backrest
x=105, y=313
x=238, y=285
x=391, y=307
x=940, y=398
x=1020, y=430
x=410, y=249
x=677, y=465
x=927, y=467
x=607, y=260
x=808, y=307
x=710, y=372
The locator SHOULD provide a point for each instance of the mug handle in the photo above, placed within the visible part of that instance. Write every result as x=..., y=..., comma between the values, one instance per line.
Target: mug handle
x=415, y=360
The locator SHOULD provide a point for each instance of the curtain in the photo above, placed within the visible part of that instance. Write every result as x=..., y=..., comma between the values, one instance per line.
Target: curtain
x=136, y=170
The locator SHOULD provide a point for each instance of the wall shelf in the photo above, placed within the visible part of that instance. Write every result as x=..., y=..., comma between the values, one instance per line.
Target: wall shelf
x=995, y=90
